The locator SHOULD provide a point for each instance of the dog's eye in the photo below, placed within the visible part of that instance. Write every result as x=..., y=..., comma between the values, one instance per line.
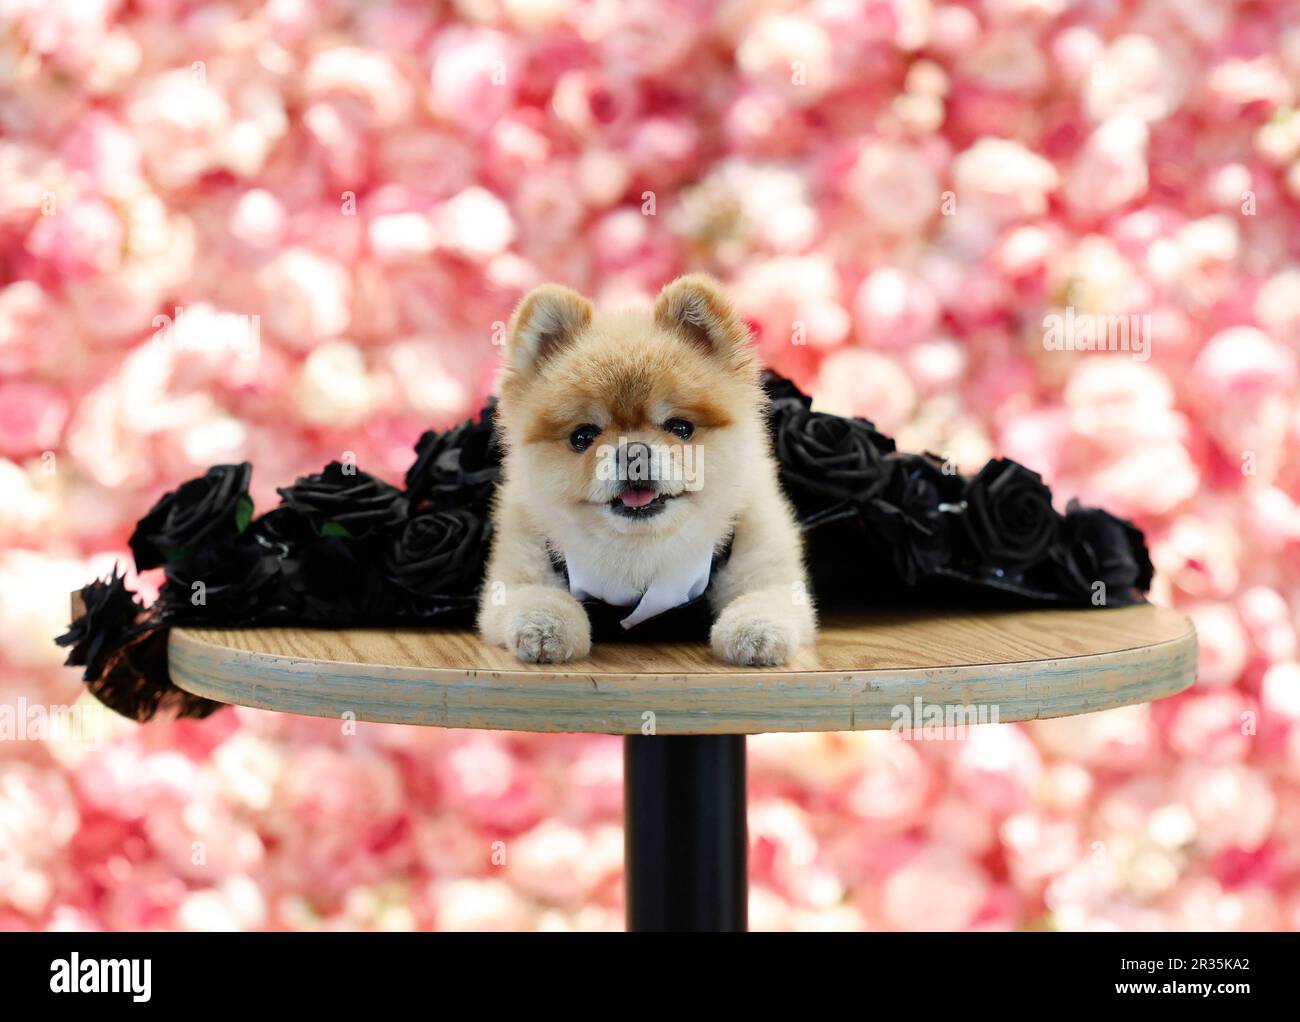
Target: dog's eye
x=679, y=428
x=581, y=438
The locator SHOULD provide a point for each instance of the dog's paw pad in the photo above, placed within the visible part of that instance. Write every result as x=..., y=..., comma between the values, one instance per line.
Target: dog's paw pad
x=541, y=637
x=752, y=642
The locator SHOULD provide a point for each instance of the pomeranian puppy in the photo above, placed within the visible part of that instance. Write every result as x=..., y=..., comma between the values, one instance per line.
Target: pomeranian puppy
x=636, y=456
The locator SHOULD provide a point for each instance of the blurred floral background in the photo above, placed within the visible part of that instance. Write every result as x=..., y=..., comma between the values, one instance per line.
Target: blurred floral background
x=897, y=192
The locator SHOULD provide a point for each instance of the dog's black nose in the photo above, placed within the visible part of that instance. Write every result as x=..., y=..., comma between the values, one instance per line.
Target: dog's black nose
x=635, y=463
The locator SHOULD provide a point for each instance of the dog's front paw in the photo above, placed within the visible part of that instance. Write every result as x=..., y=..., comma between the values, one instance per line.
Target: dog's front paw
x=542, y=635
x=752, y=638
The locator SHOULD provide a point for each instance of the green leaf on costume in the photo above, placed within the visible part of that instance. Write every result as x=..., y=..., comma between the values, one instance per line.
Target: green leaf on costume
x=175, y=554
x=243, y=514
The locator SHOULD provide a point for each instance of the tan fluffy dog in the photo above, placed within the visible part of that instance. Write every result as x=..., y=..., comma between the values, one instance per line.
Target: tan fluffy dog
x=635, y=448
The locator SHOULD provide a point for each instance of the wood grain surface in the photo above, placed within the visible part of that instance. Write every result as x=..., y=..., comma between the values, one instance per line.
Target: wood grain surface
x=866, y=671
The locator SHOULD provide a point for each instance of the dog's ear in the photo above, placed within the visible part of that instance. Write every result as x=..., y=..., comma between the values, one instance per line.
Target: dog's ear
x=547, y=319
x=695, y=308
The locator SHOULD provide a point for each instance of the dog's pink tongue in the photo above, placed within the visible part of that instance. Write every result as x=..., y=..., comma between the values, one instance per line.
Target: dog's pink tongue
x=637, y=498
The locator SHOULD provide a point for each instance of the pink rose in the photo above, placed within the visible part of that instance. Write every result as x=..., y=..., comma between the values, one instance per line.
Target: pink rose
x=895, y=187
x=1111, y=169
x=37, y=334
x=996, y=767
x=1280, y=692
x=1233, y=804
x=955, y=29
x=475, y=224
x=893, y=789
x=1214, y=726
x=475, y=76
x=1003, y=179
x=894, y=309
x=1267, y=619
x=1038, y=848
x=483, y=780
x=856, y=382
x=32, y=417
x=938, y=889
x=367, y=75
x=306, y=297
x=105, y=152
x=478, y=905
x=1222, y=644
x=561, y=864
x=84, y=238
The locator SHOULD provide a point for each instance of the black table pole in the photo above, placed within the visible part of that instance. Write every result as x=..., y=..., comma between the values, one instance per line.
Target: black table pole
x=685, y=839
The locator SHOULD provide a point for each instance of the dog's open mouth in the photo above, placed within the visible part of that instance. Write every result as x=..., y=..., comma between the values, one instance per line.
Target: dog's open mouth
x=639, y=502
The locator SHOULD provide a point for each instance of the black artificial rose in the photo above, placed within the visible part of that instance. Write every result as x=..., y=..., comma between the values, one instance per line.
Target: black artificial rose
x=232, y=584
x=782, y=393
x=1096, y=546
x=123, y=649
x=344, y=502
x=333, y=581
x=438, y=553
x=1008, y=516
x=207, y=510
x=909, y=516
x=939, y=472
x=136, y=682
x=458, y=468
x=108, y=616
x=827, y=461
x=281, y=531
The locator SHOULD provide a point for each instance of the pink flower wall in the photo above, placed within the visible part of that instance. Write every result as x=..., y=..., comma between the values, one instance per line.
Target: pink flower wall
x=288, y=230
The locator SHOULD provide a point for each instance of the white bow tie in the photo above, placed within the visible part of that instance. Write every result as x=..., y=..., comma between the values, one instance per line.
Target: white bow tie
x=676, y=585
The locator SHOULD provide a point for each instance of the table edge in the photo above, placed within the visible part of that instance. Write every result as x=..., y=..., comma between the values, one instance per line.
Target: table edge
x=746, y=702
x=580, y=670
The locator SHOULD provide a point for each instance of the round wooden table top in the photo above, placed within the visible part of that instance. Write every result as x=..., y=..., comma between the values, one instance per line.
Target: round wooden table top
x=870, y=670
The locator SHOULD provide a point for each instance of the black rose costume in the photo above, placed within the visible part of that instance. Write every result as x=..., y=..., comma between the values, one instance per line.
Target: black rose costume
x=347, y=549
